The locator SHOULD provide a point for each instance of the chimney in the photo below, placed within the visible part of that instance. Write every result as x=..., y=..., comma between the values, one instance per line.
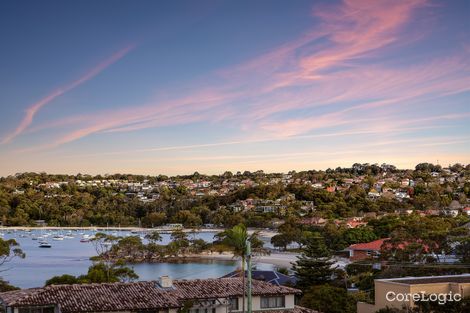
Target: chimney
x=165, y=282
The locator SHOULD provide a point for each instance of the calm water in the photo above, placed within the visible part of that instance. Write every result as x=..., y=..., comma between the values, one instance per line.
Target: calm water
x=71, y=256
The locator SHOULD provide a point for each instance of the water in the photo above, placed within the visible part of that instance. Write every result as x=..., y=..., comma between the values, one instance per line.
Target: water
x=71, y=256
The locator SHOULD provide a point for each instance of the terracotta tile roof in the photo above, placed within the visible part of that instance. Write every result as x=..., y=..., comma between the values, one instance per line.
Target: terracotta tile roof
x=227, y=287
x=15, y=295
x=96, y=297
x=135, y=296
x=373, y=245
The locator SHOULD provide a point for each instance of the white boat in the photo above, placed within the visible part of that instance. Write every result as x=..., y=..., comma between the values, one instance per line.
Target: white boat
x=44, y=244
x=58, y=237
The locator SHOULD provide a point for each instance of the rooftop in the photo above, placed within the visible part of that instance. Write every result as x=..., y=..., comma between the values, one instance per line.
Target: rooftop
x=272, y=277
x=136, y=295
x=373, y=245
x=464, y=278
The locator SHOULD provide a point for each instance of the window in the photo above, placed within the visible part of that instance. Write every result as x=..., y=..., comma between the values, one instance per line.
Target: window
x=46, y=309
x=272, y=302
x=233, y=304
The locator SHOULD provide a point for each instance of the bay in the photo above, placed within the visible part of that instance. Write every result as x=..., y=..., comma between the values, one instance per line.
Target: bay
x=70, y=256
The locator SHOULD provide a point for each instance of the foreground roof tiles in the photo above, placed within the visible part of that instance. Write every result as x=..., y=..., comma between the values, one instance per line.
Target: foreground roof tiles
x=136, y=296
x=227, y=287
x=96, y=297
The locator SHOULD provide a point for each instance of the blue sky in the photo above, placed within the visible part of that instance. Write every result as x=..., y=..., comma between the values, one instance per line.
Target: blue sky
x=176, y=87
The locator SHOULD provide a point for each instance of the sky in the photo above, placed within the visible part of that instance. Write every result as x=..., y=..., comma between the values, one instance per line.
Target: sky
x=174, y=87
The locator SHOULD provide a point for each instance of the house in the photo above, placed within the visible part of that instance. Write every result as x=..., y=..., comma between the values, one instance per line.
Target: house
x=319, y=221
x=451, y=212
x=466, y=211
x=455, y=205
x=219, y=295
x=373, y=194
x=355, y=223
x=432, y=212
x=41, y=223
x=268, y=208
x=362, y=251
x=404, y=292
x=331, y=188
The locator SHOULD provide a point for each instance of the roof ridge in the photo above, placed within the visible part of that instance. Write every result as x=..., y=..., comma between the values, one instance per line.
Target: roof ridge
x=26, y=295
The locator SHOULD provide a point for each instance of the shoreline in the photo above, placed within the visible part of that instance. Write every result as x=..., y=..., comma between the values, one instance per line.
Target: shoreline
x=276, y=259
x=262, y=232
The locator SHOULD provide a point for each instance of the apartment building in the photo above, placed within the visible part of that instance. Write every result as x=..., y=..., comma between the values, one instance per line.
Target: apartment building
x=403, y=292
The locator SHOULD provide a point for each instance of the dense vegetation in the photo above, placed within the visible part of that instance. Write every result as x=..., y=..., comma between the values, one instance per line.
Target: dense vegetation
x=413, y=248
x=77, y=201
x=419, y=213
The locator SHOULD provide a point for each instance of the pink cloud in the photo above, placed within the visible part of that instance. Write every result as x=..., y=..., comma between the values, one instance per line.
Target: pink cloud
x=320, y=69
x=32, y=110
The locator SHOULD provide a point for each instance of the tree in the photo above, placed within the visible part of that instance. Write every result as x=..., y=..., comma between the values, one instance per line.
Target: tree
x=281, y=240
x=328, y=299
x=97, y=273
x=313, y=266
x=153, y=237
x=179, y=241
x=360, y=234
x=463, y=250
x=5, y=286
x=288, y=233
x=65, y=279
x=187, y=218
x=236, y=238
x=9, y=249
x=103, y=243
x=155, y=219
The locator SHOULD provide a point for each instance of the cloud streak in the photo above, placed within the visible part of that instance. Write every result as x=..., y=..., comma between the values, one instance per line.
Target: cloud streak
x=332, y=75
x=33, y=109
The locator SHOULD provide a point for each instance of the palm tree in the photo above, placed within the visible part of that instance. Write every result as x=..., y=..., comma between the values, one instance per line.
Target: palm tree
x=236, y=239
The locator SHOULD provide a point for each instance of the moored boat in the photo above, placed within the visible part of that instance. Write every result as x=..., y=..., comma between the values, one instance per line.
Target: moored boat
x=44, y=244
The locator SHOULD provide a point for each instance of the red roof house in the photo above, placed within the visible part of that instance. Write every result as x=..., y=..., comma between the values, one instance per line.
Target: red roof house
x=361, y=251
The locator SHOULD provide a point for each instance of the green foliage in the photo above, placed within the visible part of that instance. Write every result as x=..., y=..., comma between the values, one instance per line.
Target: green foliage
x=236, y=239
x=5, y=286
x=328, y=299
x=65, y=279
x=9, y=249
x=313, y=266
x=360, y=234
x=97, y=273
x=153, y=236
x=27, y=197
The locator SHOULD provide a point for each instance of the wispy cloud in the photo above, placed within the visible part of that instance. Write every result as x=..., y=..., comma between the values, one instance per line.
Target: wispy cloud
x=334, y=73
x=33, y=109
